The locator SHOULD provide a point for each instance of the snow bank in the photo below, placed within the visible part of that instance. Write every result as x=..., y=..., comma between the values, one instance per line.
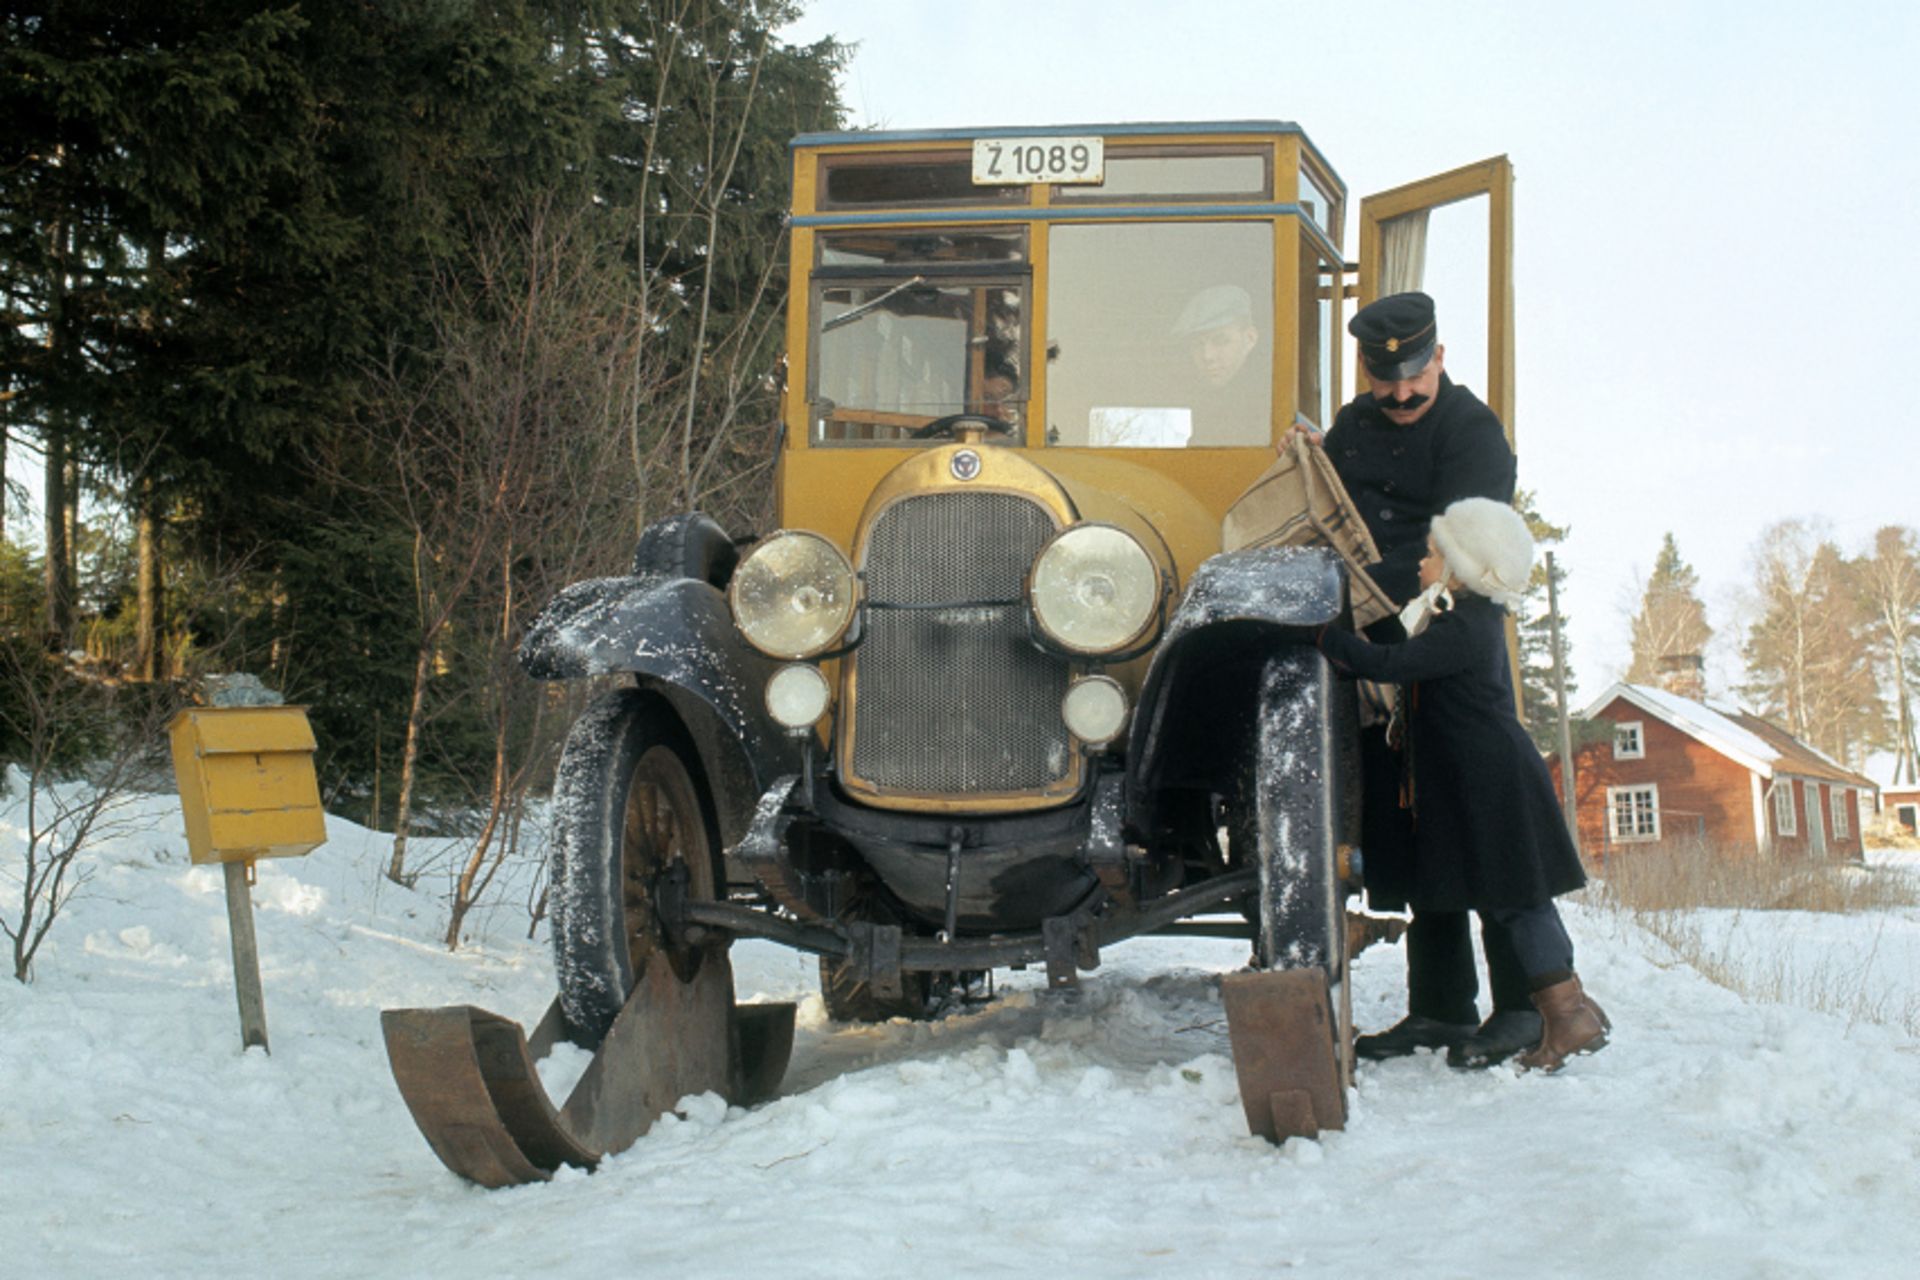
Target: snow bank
x=1084, y=1133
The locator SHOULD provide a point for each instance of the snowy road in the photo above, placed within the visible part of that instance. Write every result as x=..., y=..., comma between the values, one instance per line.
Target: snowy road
x=1092, y=1133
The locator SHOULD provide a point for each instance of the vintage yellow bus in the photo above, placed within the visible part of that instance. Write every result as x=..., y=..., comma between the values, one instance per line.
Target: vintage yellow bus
x=992, y=693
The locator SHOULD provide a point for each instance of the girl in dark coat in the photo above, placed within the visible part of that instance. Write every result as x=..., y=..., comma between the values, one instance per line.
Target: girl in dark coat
x=1488, y=833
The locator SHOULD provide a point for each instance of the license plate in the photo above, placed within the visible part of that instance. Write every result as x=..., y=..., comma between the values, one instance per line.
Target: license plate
x=1005, y=161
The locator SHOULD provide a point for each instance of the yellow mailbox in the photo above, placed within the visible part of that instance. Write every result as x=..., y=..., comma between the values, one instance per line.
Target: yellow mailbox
x=247, y=786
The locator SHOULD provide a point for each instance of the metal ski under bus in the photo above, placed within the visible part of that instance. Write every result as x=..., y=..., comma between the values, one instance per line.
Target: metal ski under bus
x=469, y=1076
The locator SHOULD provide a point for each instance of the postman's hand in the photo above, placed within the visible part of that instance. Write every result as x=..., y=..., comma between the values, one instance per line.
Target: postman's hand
x=1303, y=431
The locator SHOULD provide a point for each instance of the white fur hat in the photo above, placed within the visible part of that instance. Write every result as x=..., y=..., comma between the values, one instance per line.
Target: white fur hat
x=1487, y=547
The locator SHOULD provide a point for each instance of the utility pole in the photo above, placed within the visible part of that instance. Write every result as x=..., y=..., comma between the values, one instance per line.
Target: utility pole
x=1567, y=807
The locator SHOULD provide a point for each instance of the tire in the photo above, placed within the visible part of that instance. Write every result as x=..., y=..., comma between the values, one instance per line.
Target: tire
x=629, y=802
x=922, y=995
x=851, y=1001
x=1298, y=817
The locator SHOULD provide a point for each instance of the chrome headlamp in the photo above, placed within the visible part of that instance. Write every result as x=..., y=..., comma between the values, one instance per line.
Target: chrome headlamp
x=1095, y=709
x=797, y=696
x=793, y=595
x=1094, y=589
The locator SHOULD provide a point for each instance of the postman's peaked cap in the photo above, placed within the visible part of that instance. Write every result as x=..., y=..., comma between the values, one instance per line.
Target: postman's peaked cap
x=1396, y=335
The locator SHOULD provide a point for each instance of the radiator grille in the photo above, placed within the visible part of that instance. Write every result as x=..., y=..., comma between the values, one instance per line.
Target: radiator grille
x=958, y=700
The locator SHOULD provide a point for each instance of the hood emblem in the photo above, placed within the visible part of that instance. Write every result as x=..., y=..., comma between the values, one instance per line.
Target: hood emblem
x=965, y=465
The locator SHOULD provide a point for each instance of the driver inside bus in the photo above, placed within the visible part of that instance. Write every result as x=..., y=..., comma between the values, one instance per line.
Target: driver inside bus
x=999, y=387
x=1229, y=387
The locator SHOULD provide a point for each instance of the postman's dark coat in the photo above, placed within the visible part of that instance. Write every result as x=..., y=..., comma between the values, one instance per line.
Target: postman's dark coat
x=1488, y=832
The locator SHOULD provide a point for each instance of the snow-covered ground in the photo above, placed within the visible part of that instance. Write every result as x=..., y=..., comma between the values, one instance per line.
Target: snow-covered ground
x=1091, y=1133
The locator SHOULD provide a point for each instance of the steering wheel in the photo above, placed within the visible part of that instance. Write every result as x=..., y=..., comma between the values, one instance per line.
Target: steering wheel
x=945, y=426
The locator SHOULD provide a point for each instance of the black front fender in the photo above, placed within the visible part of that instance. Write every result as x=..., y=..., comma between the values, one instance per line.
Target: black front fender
x=675, y=635
x=1195, y=719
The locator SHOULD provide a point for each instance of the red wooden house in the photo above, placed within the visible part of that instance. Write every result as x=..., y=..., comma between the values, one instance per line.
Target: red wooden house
x=1679, y=769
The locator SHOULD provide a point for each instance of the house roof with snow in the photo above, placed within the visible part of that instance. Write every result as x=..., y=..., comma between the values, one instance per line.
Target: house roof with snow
x=1884, y=768
x=1739, y=735
x=1796, y=757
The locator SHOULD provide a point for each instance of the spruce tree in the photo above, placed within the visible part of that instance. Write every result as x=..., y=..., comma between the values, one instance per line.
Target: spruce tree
x=1672, y=622
x=226, y=233
x=1539, y=707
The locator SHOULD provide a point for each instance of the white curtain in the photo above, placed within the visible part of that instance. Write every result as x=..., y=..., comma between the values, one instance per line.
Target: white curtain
x=1403, y=252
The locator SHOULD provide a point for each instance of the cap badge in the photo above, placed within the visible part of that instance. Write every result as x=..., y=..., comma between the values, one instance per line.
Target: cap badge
x=965, y=465
x=1393, y=344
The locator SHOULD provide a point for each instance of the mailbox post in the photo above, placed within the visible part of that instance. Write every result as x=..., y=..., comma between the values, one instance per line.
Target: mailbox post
x=247, y=791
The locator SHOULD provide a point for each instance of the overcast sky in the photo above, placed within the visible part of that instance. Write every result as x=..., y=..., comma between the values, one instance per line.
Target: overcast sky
x=1716, y=273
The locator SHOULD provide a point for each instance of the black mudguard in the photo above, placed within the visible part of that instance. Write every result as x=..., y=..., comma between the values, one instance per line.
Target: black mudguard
x=1195, y=726
x=675, y=635
x=689, y=545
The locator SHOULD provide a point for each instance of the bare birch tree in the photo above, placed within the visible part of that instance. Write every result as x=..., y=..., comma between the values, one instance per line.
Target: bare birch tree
x=1890, y=581
x=545, y=357
x=73, y=751
x=713, y=97
x=482, y=458
x=1807, y=656
x=708, y=271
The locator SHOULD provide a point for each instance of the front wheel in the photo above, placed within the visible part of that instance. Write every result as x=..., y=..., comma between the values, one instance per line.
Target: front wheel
x=629, y=811
x=1297, y=818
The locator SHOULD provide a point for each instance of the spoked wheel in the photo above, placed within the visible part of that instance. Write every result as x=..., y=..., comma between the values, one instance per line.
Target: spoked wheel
x=632, y=820
x=634, y=824
x=665, y=831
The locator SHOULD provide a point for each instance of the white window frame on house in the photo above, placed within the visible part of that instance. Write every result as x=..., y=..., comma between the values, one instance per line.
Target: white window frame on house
x=1785, y=822
x=1640, y=805
x=1842, y=820
x=1629, y=740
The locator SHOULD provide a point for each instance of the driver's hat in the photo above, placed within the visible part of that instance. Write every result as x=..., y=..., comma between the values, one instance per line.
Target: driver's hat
x=1214, y=307
x=1396, y=335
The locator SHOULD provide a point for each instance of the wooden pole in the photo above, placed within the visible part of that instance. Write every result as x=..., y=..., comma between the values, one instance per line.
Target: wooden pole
x=1567, y=807
x=246, y=958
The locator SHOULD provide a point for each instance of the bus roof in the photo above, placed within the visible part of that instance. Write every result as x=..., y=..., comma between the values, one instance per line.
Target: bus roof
x=1134, y=129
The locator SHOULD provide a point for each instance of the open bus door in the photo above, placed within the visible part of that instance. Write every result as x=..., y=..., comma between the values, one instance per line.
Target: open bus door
x=1394, y=233
x=1395, y=229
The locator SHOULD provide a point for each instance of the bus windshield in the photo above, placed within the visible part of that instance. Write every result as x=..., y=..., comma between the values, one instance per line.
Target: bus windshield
x=1159, y=334
x=912, y=326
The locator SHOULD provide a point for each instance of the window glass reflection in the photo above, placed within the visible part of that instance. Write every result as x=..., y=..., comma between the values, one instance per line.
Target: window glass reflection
x=1317, y=199
x=1159, y=335
x=1319, y=283
x=893, y=249
x=1241, y=177
x=910, y=326
x=893, y=358
x=915, y=181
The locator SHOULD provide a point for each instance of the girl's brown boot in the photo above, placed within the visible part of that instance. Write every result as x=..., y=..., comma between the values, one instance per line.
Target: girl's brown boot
x=1574, y=1024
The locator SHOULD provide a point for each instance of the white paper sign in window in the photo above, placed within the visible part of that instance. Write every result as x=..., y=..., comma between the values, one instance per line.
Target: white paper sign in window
x=1139, y=428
